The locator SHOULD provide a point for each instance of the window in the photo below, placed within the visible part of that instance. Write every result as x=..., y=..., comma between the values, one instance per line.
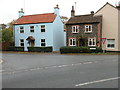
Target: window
x=75, y=29
x=88, y=28
x=72, y=42
x=42, y=28
x=91, y=41
x=43, y=42
x=32, y=29
x=22, y=42
x=110, y=43
x=21, y=29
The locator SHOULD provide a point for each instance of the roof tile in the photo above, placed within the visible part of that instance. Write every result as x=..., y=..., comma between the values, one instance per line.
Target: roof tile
x=39, y=18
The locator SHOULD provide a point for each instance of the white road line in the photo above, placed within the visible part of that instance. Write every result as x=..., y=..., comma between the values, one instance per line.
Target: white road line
x=87, y=62
x=98, y=81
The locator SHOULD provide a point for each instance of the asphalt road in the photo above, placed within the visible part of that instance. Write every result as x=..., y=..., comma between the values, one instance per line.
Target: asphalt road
x=59, y=71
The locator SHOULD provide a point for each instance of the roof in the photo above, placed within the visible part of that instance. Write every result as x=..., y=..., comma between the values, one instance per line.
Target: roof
x=30, y=38
x=117, y=7
x=39, y=18
x=84, y=19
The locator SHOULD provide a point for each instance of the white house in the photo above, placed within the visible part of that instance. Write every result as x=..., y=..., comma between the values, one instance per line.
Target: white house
x=42, y=29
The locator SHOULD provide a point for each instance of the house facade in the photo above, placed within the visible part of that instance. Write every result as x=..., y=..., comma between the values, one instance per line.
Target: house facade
x=41, y=30
x=110, y=26
x=84, y=30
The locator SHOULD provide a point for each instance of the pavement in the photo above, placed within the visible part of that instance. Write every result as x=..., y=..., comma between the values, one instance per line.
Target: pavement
x=59, y=71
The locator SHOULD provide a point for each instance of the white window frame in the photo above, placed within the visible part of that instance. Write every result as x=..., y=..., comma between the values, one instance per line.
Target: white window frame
x=111, y=43
x=22, y=42
x=43, y=42
x=92, y=43
x=32, y=29
x=21, y=30
x=89, y=27
x=43, y=28
x=75, y=29
x=73, y=41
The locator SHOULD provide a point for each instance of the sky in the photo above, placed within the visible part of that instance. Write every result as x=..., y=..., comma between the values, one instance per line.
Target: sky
x=9, y=8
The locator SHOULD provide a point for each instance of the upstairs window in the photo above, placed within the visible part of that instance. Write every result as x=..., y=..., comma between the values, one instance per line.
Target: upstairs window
x=110, y=43
x=91, y=41
x=42, y=28
x=88, y=28
x=43, y=44
x=72, y=42
x=75, y=29
x=32, y=29
x=21, y=29
x=22, y=42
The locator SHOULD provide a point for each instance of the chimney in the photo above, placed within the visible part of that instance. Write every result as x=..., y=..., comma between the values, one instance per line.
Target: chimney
x=21, y=13
x=72, y=12
x=118, y=6
x=56, y=10
x=92, y=12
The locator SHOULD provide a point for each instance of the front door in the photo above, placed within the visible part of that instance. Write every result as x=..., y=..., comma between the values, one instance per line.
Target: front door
x=82, y=42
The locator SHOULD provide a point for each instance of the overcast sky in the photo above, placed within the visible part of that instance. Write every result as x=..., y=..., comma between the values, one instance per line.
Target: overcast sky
x=9, y=8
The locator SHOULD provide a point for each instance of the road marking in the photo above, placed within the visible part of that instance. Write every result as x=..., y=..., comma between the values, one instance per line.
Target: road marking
x=87, y=62
x=98, y=81
x=50, y=67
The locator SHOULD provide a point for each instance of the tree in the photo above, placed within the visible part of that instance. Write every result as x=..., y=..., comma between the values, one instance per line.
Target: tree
x=6, y=35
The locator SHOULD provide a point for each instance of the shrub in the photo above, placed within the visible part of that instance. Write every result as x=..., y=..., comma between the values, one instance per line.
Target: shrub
x=79, y=50
x=40, y=49
x=12, y=48
x=98, y=49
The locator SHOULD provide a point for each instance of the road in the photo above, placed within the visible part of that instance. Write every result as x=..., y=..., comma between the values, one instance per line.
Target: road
x=59, y=71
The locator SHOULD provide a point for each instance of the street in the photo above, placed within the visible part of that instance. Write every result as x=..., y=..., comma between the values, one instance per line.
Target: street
x=59, y=71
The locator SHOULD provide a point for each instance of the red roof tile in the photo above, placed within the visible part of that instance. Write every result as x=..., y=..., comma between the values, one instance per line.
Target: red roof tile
x=39, y=18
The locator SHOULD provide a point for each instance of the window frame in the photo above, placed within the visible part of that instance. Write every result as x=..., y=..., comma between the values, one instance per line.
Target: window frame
x=89, y=27
x=43, y=42
x=21, y=43
x=21, y=30
x=76, y=29
x=92, y=41
x=42, y=28
x=73, y=40
x=32, y=29
x=110, y=44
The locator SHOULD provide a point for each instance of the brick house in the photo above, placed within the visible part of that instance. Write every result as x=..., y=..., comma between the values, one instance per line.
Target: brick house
x=84, y=30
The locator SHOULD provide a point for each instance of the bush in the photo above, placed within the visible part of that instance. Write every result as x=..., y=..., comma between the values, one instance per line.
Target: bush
x=40, y=49
x=12, y=48
x=79, y=50
x=98, y=49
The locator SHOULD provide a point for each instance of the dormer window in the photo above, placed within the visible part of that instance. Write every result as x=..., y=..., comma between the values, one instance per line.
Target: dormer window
x=88, y=28
x=32, y=29
x=75, y=29
x=21, y=29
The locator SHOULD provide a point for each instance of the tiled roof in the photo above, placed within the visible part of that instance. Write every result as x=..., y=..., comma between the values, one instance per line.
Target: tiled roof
x=39, y=18
x=84, y=19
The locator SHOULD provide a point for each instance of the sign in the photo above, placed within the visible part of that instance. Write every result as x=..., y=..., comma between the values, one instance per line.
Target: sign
x=103, y=40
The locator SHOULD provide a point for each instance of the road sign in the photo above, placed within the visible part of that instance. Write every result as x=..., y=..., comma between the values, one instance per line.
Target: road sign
x=103, y=40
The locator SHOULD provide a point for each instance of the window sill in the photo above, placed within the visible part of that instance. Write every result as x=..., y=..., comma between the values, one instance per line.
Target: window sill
x=87, y=32
x=75, y=32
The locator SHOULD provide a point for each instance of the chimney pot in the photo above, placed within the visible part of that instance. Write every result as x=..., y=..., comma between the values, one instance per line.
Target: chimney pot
x=72, y=12
x=92, y=12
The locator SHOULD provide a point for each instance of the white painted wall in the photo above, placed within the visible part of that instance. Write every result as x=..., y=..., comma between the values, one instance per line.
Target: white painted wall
x=109, y=25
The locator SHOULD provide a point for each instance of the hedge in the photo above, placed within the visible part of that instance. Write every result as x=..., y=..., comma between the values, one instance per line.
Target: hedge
x=40, y=49
x=12, y=48
x=79, y=50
